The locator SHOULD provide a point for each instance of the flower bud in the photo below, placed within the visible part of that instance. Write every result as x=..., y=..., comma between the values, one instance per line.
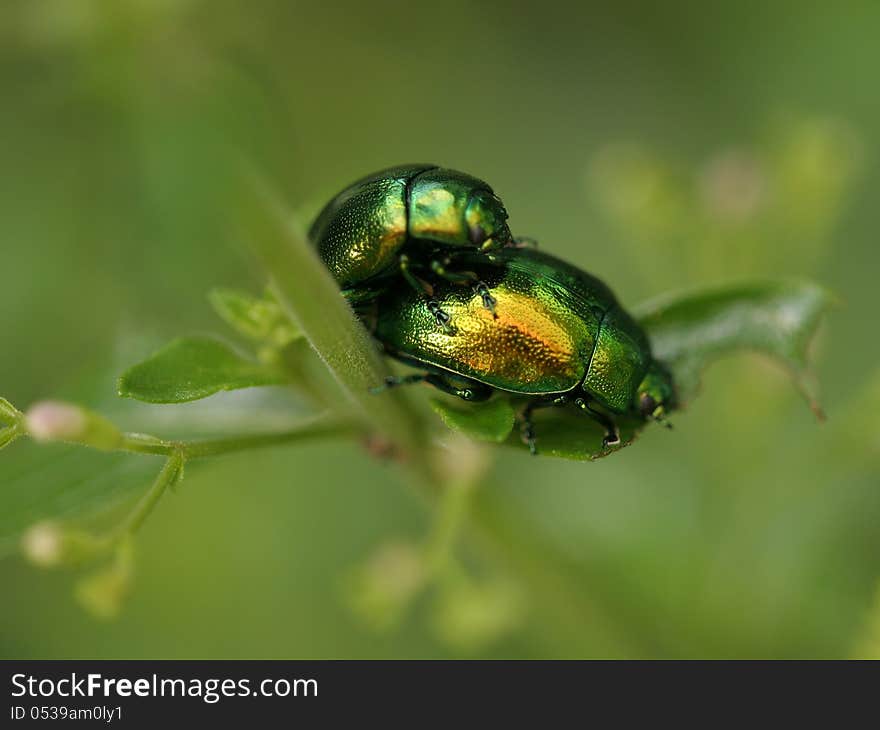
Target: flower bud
x=49, y=544
x=103, y=593
x=470, y=616
x=57, y=421
x=381, y=589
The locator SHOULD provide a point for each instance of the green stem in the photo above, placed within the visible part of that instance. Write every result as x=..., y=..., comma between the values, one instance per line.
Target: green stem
x=452, y=514
x=179, y=452
x=310, y=297
x=171, y=472
x=317, y=428
x=142, y=443
x=200, y=449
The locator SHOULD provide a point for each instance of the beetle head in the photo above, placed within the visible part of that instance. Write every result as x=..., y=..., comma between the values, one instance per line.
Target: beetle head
x=486, y=221
x=655, y=396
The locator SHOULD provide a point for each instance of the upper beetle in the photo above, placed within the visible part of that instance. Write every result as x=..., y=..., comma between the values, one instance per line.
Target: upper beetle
x=560, y=337
x=411, y=219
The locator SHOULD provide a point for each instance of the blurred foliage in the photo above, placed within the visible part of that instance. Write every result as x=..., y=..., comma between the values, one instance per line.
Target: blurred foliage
x=775, y=201
x=659, y=147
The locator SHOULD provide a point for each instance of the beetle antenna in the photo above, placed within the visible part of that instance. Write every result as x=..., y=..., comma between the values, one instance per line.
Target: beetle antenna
x=663, y=422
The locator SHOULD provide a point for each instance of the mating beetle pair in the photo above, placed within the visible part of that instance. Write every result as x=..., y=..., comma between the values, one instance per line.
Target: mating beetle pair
x=511, y=318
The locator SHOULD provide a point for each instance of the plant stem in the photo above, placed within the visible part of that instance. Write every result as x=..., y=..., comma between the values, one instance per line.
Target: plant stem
x=454, y=504
x=311, y=298
x=179, y=452
x=171, y=472
x=199, y=449
x=321, y=427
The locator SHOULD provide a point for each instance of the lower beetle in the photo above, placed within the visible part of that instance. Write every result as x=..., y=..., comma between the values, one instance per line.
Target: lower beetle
x=559, y=337
x=411, y=220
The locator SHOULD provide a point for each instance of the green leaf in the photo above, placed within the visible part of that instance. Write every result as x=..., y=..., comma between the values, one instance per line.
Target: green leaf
x=257, y=318
x=778, y=319
x=62, y=483
x=689, y=331
x=8, y=435
x=489, y=421
x=190, y=368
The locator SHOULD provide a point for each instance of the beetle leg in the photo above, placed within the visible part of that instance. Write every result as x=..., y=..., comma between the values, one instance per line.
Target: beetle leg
x=612, y=435
x=523, y=242
x=411, y=279
x=394, y=381
x=466, y=277
x=663, y=422
x=441, y=317
x=469, y=390
x=527, y=426
x=439, y=268
x=473, y=391
x=489, y=301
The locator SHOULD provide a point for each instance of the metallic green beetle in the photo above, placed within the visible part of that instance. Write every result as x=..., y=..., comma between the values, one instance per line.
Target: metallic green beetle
x=410, y=219
x=560, y=336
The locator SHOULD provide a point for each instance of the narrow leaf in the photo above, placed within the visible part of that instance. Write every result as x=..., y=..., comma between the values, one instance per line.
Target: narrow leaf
x=8, y=413
x=777, y=319
x=63, y=483
x=489, y=421
x=190, y=368
x=8, y=435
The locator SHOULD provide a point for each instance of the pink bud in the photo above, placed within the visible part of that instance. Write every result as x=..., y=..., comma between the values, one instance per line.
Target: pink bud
x=55, y=421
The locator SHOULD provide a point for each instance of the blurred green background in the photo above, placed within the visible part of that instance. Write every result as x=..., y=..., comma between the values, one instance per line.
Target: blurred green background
x=658, y=145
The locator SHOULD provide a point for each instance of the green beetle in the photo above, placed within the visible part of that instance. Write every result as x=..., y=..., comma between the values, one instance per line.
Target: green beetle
x=559, y=337
x=411, y=220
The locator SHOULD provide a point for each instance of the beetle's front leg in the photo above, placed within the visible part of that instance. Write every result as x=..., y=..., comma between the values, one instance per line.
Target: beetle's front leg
x=527, y=426
x=395, y=381
x=489, y=301
x=466, y=278
x=612, y=434
x=442, y=318
x=469, y=390
x=472, y=391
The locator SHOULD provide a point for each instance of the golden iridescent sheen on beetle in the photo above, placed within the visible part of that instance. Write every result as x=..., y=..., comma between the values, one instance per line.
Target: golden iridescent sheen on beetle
x=560, y=336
